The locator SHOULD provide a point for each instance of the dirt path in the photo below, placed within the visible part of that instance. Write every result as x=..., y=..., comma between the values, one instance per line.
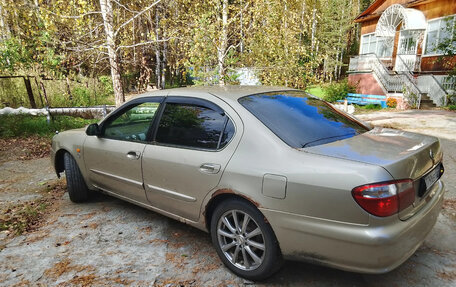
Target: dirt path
x=107, y=242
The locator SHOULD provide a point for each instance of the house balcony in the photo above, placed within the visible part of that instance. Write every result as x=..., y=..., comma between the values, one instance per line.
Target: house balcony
x=404, y=62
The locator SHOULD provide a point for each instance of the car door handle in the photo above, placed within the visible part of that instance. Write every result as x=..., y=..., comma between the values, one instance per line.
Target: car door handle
x=212, y=168
x=133, y=154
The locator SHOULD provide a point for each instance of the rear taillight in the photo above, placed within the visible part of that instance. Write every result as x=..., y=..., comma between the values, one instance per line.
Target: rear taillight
x=385, y=198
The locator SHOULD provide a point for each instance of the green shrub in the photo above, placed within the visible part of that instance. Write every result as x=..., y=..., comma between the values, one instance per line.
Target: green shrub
x=107, y=88
x=27, y=125
x=81, y=97
x=338, y=91
x=373, y=107
x=452, y=107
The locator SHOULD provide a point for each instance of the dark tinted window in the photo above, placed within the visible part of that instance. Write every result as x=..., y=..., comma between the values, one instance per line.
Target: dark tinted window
x=190, y=126
x=301, y=120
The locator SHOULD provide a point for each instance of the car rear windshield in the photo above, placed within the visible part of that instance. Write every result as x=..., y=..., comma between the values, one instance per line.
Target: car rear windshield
x=301, y=120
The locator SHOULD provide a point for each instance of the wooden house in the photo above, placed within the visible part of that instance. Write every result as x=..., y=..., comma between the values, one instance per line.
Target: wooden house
x=402, y=51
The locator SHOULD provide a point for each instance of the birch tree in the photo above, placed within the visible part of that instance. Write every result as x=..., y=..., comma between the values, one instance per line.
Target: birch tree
x=106, y=11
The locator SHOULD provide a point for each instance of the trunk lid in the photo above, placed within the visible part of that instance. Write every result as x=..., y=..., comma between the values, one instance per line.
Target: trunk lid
x=403, y=154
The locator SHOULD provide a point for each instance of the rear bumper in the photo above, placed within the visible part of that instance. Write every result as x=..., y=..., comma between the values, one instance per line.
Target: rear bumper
x=379, y=247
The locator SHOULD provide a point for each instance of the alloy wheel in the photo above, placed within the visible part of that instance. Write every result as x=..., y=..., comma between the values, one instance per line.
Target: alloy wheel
x=241, y=240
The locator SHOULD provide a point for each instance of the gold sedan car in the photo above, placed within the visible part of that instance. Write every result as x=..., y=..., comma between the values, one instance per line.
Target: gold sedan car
x=270, y=173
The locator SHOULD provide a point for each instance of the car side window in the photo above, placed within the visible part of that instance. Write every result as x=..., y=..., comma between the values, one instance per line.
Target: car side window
x=227, y=134
x=192, y=126
x=133, y=124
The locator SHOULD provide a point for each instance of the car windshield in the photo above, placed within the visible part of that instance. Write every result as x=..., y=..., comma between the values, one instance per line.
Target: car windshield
x=301, y=120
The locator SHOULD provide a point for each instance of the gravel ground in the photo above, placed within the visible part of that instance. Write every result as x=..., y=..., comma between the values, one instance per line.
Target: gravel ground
x=107, y=242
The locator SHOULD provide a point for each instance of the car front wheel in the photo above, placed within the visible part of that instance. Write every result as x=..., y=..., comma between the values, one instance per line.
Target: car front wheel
x=77, y=188
x=244, y=240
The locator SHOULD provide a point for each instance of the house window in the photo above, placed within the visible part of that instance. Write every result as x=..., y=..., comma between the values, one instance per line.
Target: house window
x=371, y=44
x=441, y=32
x=407, y=43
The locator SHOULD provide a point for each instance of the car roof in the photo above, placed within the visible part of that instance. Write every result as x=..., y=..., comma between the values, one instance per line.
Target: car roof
x=230, y=92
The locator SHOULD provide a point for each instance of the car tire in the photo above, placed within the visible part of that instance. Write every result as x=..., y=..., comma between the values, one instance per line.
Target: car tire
x=238, y=245
x=76, y=186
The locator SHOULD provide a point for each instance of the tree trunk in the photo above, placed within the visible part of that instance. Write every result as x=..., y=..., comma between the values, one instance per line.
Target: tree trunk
x=314, y=27
x=44, y=93
x=28, y=87
x=157, y=51
x=241, y=20
x=357, y=25
x=70, y=96
x=341, y=62
x=106, y=10
x=164, y=60
x=39, y=93
x=221, y=50
x=3, y=34
x=336, y=66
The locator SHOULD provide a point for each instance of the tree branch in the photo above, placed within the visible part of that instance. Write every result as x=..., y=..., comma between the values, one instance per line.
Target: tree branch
x=125, y=7
x=136, y=16
x=143, y=43
x=231, y=47
x=239, y=13
x=71, y=17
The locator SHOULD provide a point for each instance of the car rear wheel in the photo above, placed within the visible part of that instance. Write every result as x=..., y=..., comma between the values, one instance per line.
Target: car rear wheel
x=76, y=186
x=244, y=241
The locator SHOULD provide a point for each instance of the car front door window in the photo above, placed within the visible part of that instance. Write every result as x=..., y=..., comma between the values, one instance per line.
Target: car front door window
x=133, y=124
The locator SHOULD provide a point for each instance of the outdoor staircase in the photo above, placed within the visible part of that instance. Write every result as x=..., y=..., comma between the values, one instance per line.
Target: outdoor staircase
x=430, y=94
x=426, y=102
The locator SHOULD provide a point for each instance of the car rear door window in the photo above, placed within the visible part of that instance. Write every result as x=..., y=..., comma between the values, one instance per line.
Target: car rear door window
x=132, y=124
x=227, y=134
x=301, y=120
x=193, y=126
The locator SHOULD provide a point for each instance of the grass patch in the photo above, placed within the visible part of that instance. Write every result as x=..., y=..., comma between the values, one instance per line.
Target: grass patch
x=373, y=107
x=317, y=91
x=368, y=108
x=27, y=125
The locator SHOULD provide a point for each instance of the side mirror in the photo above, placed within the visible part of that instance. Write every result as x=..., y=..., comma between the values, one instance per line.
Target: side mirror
x=93, y=130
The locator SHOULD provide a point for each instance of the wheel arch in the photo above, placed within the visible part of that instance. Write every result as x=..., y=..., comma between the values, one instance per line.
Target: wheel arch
x=220, y=196
x=59, y=161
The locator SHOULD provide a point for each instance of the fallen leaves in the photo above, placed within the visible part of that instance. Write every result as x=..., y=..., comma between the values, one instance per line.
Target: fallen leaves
x=24, y=148
x=82, y=275
x=449, y=207
x=177, y=283
x=147, y=229
x=85, y=280
x=448, y=275
x=25, y=216
x=449, y=204
x=158, y=240
x=93, y=225
x=58, y=269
